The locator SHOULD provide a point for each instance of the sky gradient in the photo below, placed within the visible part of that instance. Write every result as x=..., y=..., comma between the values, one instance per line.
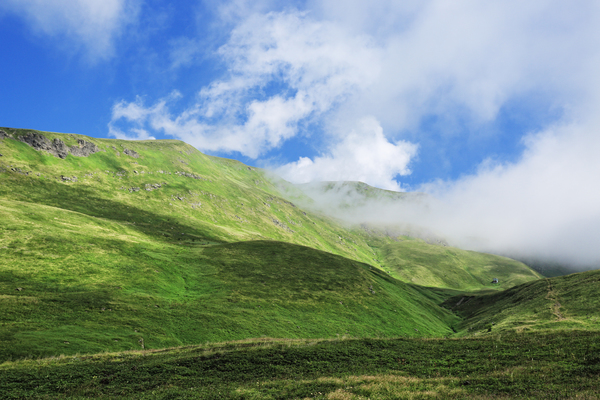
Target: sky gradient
x=489, y=106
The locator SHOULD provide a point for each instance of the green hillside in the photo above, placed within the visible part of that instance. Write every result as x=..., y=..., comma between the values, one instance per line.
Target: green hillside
x=72, y=283
x=167, y=188
x=565, y=302
x=118, y=245
x=415, y=261
x=138, y=247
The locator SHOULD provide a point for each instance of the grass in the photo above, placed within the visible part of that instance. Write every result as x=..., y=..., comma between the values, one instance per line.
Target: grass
x=175, y=248
x=533, y=365
x=415, y=261
x=211, y=251
x=565, y=302
x=90, y=284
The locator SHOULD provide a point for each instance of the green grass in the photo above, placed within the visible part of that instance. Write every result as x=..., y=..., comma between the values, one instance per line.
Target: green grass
x=215, y=251
x=415, y=261
x=230, y=201
x=565, y=302
x=535, y=365
x=91, y=284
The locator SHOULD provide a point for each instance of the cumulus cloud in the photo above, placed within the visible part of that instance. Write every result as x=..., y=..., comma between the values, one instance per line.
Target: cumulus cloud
x=89, y=24
x=314, y=64
x=364, y=155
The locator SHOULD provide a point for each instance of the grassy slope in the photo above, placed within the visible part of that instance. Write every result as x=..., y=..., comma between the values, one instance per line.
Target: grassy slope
x=447, y=267
x=104, y=267
x=230, y=203
x=565, y=302
x=537, y=366
x=91, y=284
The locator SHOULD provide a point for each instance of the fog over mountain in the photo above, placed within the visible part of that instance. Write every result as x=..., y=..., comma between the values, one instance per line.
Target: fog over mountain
x=545, y=206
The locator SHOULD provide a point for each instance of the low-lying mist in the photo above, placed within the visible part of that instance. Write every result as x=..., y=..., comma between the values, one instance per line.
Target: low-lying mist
x=544, y=208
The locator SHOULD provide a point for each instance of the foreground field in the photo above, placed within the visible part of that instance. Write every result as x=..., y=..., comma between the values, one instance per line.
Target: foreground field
x=533, y=365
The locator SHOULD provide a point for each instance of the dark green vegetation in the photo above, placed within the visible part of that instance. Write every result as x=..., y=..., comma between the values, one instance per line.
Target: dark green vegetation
x=147, y=245
x=533, y=365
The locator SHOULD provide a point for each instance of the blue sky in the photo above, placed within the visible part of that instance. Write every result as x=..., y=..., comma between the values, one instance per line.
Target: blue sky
x=467, y=100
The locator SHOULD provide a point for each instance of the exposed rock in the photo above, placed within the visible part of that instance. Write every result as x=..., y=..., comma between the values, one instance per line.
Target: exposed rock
x=60, y=148
x=131, y=153
x=69, y=179
x=281, y=225
x=38, y=142
x=19, y=289
x=57, y=147
x=3, y=134
x=134, y=189
x=19, y=171
x=188, y=175
x=152, y=186
x=84, y=148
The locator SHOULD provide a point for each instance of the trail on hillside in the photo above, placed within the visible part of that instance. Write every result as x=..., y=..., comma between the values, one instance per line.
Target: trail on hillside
x=553, y=296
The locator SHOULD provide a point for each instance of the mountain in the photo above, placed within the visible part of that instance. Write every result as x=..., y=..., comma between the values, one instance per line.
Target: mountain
x=117, y=245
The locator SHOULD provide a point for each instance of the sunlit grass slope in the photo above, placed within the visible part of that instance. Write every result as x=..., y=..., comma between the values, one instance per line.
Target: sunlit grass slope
x=171, y=189
x=73, y=283
x=564, y=365
x=415, y=261
x=565, y=302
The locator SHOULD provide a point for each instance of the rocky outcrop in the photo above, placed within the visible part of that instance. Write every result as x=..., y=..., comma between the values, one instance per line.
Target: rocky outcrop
x=3, y=134
x=39, y=142
x=60, y=148
x=57, y=147
x=281, y=225
x=152, y=186
x=131, y=153
x=83, y=149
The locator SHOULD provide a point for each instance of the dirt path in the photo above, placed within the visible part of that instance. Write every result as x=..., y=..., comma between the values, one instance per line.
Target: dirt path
x=553, y=296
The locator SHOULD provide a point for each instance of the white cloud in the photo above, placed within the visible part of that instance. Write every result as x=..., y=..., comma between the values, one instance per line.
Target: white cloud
x=364, y=155
x=91, y=24
x=317, y=65
x=547, y=205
